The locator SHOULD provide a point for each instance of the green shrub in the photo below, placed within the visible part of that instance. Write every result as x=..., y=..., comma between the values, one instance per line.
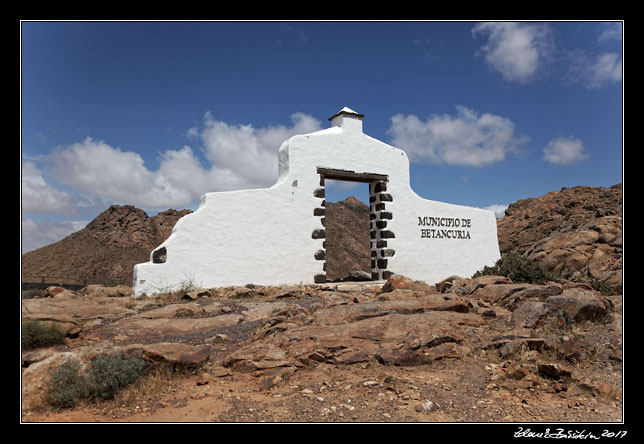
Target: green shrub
x=105, y=377
x=67, y=385
x=518, y=268
x=108, y=374
x=37, y=334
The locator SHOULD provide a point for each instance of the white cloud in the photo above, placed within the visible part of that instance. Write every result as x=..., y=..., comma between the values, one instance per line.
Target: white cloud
x=341, y=185
x=35, y=235
x=39, y=197
x=499, y=210
x=238, y=156
x=467, y=139
x=594, y=71
x=611, y=31
x=246, y=157
x=518, y=51
x=564, y=151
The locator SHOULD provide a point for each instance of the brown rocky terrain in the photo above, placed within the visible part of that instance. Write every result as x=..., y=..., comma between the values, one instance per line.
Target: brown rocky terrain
x=463, y=350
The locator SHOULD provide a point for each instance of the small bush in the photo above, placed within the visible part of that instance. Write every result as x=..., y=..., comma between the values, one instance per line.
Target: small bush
x=111, y=373
x=67, y=385
x=106, y=376
x=36, y=334
x=518, y=268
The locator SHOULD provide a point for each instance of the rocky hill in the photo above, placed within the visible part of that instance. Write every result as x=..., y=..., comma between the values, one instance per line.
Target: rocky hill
x=105, y=251
x=576, y=233
x=348, y=245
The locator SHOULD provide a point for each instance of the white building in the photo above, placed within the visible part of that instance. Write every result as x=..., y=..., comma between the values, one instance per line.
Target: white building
x=275, y=236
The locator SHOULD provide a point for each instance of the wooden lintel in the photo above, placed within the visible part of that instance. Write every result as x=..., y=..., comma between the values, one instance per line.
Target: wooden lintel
x=351, y=176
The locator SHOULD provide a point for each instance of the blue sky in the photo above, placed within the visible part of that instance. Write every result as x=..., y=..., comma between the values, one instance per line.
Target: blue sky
x=154, y=114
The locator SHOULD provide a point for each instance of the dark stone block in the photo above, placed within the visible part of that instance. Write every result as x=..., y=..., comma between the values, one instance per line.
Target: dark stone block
x=381, y=224
x=374, y=275
x=387, y=234
x=388, y=253
x=318, y=212
x=319, y=278
x=319, y=193
x=386, y=215
x=382, y=264
x=380, y=207
x=380, y=187
x=318, y=234
x=320, y=255
x=384, y=197
x=381, y=244
x=387, y=274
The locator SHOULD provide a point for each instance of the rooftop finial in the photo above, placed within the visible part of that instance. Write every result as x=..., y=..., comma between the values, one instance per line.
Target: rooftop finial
x=347, y=119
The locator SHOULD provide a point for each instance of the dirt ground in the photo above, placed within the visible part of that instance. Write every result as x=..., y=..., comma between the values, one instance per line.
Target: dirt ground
x=466, y=390
x=330, y=394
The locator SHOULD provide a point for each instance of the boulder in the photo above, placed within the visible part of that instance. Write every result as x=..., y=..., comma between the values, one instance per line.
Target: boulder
x=55, y=291
x=398, y=282
x=533, y=314
x=172, y=352
x=195, y=294
x=580, y=304
x=574, y=349
x=118, y=291
x=511, y=296
x=447, y=283
x=554, y=371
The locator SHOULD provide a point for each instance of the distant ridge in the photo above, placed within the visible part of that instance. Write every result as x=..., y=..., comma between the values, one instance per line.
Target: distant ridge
x=105, y=251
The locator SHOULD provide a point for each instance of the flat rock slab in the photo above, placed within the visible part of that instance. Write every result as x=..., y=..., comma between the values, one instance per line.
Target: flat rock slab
x=340, y=314
x=80, y=309
x=172, y=352
x=401, y=339
x=143, y=329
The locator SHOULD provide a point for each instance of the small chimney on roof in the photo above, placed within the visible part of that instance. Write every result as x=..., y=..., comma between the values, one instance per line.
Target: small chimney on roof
x=347, y=119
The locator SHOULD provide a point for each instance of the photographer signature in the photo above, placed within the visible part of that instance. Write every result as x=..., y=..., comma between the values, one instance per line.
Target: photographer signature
x=567, y=434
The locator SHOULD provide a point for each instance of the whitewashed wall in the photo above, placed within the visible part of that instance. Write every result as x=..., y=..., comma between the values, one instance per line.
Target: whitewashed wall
x=264, y=236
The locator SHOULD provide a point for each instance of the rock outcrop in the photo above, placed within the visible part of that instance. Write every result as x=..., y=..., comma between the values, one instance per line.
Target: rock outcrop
x=576, y=233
